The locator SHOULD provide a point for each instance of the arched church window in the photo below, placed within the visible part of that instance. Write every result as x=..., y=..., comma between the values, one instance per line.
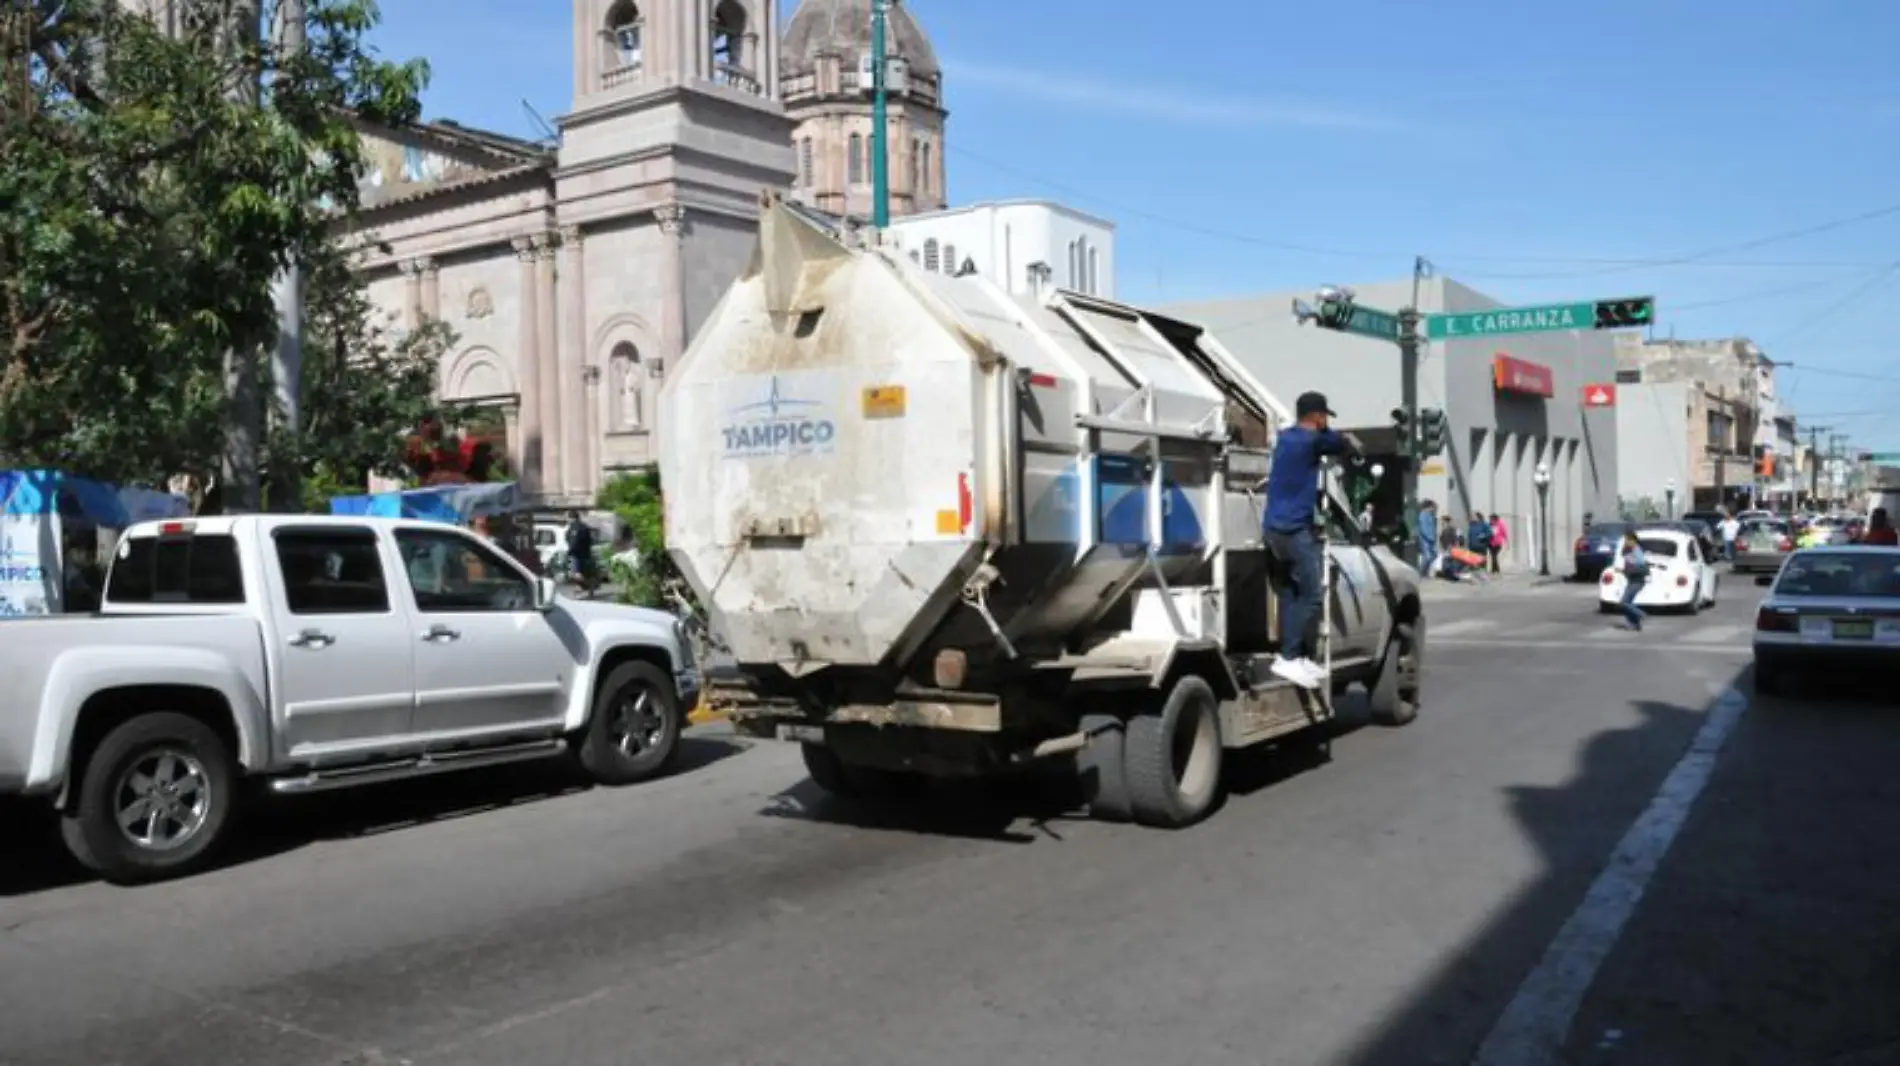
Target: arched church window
x=854, y=159
x=924, y=184
x=916, y=148
x=1095, y=282
x=950, y=259
x=623, y=34
x=728, y=33
x=930, y=255
x=1075, y=267
x=804, y=162
x=627, y=396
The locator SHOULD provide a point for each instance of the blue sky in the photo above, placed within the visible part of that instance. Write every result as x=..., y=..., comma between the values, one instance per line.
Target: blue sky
x=1528, y=150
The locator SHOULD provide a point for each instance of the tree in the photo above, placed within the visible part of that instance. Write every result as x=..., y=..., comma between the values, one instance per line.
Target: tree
x=635, y=499
x=368, y=386
x=151, y=192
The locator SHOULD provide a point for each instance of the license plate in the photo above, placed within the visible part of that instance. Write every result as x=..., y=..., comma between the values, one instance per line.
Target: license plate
x=1853, y=629
x=810, y=734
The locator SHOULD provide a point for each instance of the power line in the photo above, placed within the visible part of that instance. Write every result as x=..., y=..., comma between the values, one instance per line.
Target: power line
x=1826, y=313
x=1706, y=257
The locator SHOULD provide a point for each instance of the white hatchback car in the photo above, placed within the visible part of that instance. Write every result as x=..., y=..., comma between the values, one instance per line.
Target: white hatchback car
x=1680, y=577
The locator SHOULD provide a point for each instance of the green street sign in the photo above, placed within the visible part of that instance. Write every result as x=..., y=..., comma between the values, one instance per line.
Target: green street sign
x=1884, y=457
x=1625, y=313
x=1369, y=322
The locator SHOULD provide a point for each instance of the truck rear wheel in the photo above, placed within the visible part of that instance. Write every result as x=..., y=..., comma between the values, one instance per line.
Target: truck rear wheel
x=1173, y=757
x=634, y=732
x=846, y=781
x=1101, y=766
x=1387, y=694
x=153, y=799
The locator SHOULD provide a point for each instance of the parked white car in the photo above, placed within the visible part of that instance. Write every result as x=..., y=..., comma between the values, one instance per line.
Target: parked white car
x=315, y=652
x=1680, y=576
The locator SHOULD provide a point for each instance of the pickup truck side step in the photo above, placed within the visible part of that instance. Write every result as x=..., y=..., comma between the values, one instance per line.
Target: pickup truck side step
x=418, y=766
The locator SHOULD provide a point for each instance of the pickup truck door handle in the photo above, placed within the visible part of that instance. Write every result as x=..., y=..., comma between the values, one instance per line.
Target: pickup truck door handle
x=441, y=634
x=312, y=638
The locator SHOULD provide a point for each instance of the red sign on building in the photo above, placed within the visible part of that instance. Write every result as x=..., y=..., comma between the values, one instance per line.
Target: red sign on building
x=1599, y=395
x=1521, y=377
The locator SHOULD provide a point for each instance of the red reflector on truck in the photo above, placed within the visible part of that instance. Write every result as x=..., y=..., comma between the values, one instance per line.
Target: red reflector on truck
x=965, y=505
x=167, y=529
x=1043, y=381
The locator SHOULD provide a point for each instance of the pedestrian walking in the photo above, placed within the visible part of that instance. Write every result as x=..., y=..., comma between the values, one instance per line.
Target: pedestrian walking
x=580, y=552
x=1427, y=537
x=1635, y=567
x=1478, y=539
x=1731, y=531
x=1287, y=522
x=1500, y=536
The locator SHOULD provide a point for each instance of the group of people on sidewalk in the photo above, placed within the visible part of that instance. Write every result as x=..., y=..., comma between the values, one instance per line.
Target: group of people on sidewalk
x=1447, y=552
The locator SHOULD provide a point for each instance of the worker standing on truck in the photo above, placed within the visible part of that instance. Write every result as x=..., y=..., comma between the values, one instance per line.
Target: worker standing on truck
x=1292, y=498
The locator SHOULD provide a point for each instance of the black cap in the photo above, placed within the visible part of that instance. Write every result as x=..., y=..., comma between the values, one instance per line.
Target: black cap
x=1312, y=403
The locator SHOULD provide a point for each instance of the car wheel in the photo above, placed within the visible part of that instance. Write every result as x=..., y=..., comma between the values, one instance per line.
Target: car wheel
x=154, y=799
x=634, y=732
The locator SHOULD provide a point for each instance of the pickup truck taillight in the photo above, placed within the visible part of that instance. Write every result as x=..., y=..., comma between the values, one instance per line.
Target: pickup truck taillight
x=1768, y=620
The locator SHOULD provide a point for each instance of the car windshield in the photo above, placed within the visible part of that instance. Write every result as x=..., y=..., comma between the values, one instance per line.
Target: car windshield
x=1841, y=574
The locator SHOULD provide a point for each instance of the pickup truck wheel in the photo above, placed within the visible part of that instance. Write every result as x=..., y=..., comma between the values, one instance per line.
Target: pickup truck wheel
x=1173, y=758
x=1101, y=766
x=634, y=732
x=1386, y=693
x=153, y=801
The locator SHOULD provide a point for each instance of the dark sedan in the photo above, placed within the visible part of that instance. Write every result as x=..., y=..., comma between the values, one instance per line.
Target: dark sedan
x=1597, y=548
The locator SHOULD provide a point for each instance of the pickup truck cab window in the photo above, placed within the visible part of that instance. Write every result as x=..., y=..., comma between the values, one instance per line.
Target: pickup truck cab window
x=332, y=571
x=449, y=572
x=176, y=569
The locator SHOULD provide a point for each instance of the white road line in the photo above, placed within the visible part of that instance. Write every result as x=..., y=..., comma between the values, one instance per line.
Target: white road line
x=1532, y=1029
x=1463, y=625
x=1635, y=643
x=1715, y=635
x=1604, y=632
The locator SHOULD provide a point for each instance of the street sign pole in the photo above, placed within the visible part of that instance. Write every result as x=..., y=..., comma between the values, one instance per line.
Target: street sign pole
x=1409, y=446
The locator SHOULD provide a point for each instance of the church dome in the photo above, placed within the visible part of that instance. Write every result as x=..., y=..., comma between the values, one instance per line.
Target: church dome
x=843, y=28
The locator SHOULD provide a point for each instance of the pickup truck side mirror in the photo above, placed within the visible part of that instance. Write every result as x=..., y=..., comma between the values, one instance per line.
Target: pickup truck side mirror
x=544, y=592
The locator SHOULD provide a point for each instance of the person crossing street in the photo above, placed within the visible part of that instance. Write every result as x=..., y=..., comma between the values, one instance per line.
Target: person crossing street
x=1635, y=566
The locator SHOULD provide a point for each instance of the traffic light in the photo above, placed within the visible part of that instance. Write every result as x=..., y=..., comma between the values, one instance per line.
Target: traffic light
x=1402, y=425
x=1627, y=313
x=1434, y=431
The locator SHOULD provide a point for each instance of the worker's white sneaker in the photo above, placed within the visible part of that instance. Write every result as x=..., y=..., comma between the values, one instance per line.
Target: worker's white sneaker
x=1301, y=672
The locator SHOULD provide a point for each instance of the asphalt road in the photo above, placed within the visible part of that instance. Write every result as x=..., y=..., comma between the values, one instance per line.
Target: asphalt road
x=1408, y=898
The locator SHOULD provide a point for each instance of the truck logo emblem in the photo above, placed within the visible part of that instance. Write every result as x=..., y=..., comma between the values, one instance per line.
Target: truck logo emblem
x=778, y=424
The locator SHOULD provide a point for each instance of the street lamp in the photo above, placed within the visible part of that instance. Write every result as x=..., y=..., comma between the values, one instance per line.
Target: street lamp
x=1669, y=499
x=1541, y=478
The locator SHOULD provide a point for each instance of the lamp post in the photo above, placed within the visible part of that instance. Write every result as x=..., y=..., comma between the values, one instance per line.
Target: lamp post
x=1541, y=478
x=1669, y=499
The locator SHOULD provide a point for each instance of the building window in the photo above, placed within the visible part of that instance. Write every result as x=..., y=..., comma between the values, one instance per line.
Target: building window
x=728, y=30
x=950, y=259
x=930, y=255
x=854, y=159
x=924, y=184
x=623, y=33
x=916, y=149
x=804, y=162
x=1075, y=265
x=623, y=378
x=1095, y=281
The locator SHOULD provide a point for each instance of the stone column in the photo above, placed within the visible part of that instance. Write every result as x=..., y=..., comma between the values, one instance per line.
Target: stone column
x=768, y=67
x=411, y=292
x=671, y=220
x=577, y=477
x=548, y=377
x=430, y=292
x=527, y=460
x=592, y=399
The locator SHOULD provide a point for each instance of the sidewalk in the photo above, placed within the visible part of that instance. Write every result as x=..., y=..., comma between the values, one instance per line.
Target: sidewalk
x=1509, y=583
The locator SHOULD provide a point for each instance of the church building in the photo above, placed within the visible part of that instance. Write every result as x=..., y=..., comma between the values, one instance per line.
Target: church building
x=573, y=272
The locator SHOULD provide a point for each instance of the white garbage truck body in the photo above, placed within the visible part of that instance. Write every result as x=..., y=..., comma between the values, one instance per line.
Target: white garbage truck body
x=944, y=529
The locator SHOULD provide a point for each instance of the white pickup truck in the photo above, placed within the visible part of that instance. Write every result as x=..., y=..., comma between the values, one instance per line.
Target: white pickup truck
x=314, y=652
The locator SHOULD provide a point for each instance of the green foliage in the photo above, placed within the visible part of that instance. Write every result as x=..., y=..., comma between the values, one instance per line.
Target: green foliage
x=636, y=500
x=151, y=192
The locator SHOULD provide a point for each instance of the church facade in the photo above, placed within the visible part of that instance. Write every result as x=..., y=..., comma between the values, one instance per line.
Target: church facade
x=573, y=273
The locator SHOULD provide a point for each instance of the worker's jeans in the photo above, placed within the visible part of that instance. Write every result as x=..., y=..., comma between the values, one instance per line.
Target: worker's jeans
x=1299, y=553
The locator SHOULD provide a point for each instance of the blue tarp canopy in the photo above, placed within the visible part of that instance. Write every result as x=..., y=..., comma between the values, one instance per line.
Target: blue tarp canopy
x=78, y=499
x=453, y=504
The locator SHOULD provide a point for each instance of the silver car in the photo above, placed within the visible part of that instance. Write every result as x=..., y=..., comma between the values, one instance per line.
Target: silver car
x=1833, y=610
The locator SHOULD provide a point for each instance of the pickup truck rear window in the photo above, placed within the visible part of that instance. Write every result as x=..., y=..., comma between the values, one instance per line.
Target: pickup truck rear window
x=188, y=569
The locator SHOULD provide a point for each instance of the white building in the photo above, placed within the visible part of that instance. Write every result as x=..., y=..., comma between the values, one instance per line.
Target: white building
x=1022, y=245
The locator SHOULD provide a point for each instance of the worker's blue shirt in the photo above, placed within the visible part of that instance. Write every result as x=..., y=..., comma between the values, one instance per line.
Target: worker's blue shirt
x=1293, y=483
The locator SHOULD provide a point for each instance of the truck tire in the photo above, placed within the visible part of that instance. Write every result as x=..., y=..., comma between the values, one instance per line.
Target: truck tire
x=1101, y=765
x=845, y=781
x=154, y=799
x=1172, y=759
x=634, y=732
x=1385, y=695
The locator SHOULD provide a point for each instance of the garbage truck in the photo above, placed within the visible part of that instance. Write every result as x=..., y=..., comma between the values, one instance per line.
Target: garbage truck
x=945, y=530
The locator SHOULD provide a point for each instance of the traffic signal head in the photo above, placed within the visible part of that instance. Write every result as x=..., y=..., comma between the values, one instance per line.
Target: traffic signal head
x=1434, y=431
x=1628, y=313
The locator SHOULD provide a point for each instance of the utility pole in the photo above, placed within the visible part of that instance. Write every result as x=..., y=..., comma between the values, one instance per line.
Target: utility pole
x=286, y=365
x=1410, y=341
x=1814, y=462
x=880, y=119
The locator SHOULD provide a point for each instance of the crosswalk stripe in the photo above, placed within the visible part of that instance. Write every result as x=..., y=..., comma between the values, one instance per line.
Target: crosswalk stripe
x=1715, y=635
x=1464, y=626
x=1603, y=633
